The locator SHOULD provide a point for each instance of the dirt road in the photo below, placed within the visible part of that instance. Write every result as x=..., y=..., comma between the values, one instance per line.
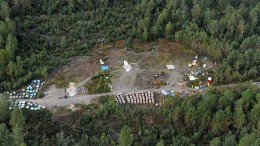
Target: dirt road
x=54, y=96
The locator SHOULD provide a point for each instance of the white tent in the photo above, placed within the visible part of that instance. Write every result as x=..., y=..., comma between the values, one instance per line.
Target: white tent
x=72, y=89
x=101, y=62
x=125, y=63
x=192, y=78
x=126, y=66
x=170, y=67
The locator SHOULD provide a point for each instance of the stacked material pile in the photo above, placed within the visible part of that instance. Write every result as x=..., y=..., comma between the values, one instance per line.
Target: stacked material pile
x=136, y=98
x=25, y=105
x=120, y=99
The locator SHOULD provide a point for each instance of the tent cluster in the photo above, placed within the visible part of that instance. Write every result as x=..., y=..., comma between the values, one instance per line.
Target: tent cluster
x=136, y=98
x=31, y=91
x=25, y=105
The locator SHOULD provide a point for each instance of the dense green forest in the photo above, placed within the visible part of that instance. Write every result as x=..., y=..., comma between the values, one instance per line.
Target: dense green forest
x=36, y=36
x=221, y=117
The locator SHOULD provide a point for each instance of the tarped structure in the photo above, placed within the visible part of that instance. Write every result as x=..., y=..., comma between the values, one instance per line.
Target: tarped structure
x=165, y=92
x=104, y=67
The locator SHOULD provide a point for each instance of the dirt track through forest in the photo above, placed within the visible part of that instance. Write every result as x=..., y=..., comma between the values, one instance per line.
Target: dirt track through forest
x=54, y=97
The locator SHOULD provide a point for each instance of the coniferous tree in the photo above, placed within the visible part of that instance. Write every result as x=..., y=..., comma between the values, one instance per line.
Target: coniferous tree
x=17, y=119
x=169, y=30
x=5, y=136
x=4, y=111
x=125, y=137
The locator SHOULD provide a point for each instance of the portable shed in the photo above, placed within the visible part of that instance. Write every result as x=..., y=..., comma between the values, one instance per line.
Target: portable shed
x=171, y=67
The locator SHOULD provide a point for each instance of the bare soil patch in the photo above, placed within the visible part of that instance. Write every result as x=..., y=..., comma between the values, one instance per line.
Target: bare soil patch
x=77, y=69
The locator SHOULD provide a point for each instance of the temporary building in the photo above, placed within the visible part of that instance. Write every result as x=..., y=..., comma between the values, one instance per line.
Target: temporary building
x=170, y=67
x=72, y=89
x=126, y=66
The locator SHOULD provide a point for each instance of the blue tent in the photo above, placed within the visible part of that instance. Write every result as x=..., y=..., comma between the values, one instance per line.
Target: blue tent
x=166, y=92
x=103, y=67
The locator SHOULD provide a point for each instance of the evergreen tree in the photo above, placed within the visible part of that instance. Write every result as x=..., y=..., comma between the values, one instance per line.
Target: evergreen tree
x=145, y=35
x=4, y=10
x=169, y=30
x=160, y=143
x=4, y=111
x=5, y=136
x=229, y=140
x=18, y=135
x=215, y=142
x=17, y=119
x=125, y=137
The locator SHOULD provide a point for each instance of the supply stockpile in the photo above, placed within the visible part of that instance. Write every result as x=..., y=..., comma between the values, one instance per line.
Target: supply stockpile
x=136, y=98
x=120, y=99
x=25, y=105
x=30, y=91
x=81, y=90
